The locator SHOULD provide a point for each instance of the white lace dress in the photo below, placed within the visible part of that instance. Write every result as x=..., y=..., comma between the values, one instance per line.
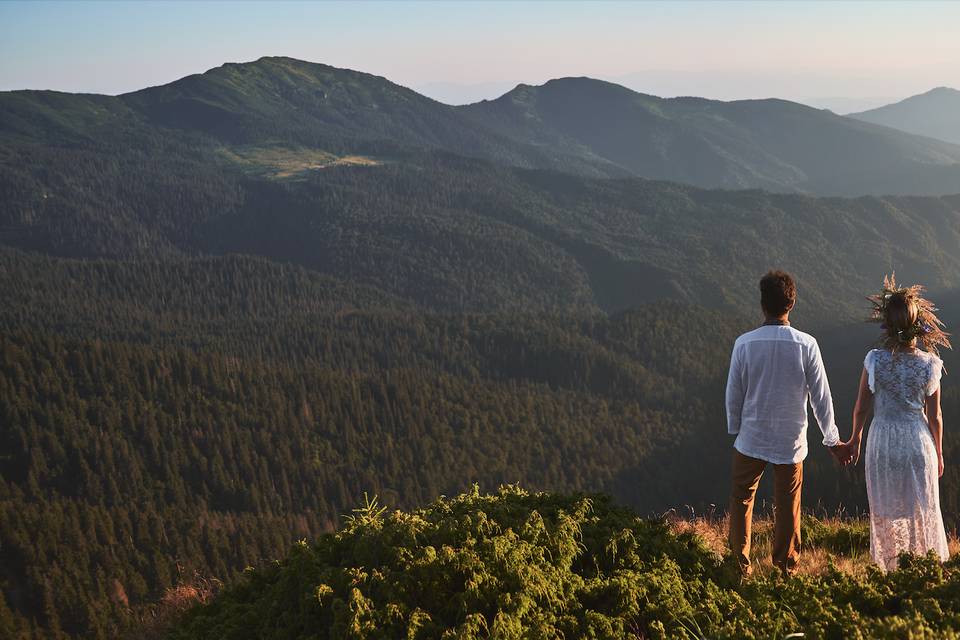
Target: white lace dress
x=900, y=459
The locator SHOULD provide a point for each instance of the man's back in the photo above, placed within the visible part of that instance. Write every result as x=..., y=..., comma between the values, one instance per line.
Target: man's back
x=773, y=371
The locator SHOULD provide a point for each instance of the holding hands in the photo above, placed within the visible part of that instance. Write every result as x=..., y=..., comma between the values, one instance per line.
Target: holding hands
x=846, y=452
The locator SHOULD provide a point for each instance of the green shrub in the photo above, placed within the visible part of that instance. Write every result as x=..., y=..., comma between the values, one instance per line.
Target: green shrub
x=520, y=565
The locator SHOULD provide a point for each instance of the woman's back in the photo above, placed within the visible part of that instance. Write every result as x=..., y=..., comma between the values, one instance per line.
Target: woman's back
x=901, y=382
x=901, y=457
x=903, y=460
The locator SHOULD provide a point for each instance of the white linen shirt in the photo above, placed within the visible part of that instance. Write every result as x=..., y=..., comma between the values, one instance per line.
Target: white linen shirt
x=774, y=371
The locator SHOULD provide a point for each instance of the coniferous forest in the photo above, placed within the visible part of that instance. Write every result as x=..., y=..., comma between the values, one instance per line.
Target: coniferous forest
x=222, y=321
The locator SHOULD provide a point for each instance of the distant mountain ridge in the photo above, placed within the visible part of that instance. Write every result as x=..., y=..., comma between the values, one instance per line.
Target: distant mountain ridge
x=575, y=125
x=935, y=114
x=772, y=144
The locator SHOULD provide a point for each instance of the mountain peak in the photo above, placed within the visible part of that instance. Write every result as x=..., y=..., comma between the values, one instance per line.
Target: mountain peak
x=266, y=63
x=942, y=91
x=935, y=114
x=576, y=81
x=579, y=86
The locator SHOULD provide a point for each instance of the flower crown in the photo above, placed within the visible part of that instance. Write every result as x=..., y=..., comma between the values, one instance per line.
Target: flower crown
x=927, y=330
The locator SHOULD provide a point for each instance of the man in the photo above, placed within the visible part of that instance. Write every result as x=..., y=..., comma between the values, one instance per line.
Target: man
x=774, y=371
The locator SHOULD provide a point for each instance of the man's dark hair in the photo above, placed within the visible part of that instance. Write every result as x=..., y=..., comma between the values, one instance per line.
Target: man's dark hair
x=778, y=293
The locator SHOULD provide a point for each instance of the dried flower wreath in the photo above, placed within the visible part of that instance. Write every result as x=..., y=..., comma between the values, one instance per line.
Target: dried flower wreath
x=927, y=330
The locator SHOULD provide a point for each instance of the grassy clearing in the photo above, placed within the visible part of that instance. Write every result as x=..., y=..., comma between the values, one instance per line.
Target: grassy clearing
x=841, y=541
x=285, y=163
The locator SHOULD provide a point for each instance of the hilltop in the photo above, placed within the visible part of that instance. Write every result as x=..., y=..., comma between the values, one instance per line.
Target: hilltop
x=510, y=564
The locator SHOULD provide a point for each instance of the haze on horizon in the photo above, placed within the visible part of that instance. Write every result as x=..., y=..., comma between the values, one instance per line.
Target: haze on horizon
x=842, y=55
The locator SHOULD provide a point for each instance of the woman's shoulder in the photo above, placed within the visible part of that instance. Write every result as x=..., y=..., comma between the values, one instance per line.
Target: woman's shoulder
x=931, y=360
x=926, y=355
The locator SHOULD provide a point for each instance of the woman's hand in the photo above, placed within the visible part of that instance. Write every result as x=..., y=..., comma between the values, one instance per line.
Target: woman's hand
x=853, y=446
x=939, y=465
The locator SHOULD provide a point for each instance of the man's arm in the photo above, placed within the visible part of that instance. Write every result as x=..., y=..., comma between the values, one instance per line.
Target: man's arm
x=820, y=397
x=735, y=391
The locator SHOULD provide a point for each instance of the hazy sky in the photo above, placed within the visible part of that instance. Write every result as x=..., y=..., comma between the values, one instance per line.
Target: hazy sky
x=460, y=50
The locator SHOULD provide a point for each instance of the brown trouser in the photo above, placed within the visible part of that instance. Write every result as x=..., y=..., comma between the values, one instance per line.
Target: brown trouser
x=787, y=482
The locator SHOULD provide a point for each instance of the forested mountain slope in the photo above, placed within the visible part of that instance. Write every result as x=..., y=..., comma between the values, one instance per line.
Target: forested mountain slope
x=256, y=398
x=142, y=457
x=450, y=233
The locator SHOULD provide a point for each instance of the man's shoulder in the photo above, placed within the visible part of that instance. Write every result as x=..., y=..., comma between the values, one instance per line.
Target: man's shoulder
x=776, y=332
x=745, y=337
x=802, y=336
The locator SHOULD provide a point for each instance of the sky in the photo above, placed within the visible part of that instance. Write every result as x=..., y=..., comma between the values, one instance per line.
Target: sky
x=841, y=55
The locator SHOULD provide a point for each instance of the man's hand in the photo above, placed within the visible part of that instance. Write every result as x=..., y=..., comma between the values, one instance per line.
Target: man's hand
x=841, y=452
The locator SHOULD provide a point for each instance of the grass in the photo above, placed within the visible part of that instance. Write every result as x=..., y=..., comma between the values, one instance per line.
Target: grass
x=151, y=622
x=284, y=163
x=841, y=540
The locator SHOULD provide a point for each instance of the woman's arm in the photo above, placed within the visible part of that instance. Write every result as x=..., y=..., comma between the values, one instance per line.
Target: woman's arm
x=862, y=413
x=935, y=422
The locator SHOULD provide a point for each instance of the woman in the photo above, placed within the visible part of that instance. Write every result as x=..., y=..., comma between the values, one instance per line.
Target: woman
x=900, y=388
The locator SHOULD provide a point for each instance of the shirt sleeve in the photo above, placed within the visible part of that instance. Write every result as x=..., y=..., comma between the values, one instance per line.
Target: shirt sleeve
x=735, y=391
x=936, y=373
x=868, y=365
x=820, y=398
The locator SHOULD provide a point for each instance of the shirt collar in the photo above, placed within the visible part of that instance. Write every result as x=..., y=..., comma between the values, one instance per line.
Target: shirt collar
x=777, y=323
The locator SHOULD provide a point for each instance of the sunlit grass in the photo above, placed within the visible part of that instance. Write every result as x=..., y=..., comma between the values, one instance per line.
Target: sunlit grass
x=840, y=540
x=281, y=162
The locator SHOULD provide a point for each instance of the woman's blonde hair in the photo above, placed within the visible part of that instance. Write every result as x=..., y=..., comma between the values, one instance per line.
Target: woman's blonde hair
x=907, y=318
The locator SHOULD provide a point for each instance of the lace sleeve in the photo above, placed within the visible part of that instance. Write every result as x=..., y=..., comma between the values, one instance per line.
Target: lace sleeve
x=868, y=365
x=936, y=371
